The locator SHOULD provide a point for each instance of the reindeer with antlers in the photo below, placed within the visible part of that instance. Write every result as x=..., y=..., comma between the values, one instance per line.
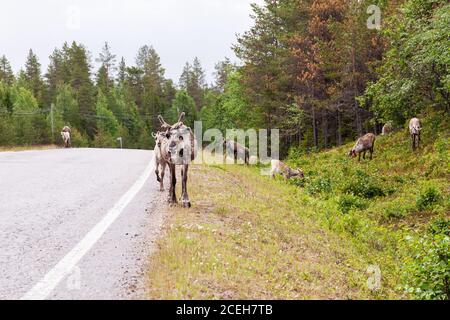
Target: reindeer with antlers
x=179, y=148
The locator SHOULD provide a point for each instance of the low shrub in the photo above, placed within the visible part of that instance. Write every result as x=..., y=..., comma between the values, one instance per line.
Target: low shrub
x=428, y=198
x=363, y=185
x=320, y=185
x=350, y=202
x=78, y=140
x=426, y=271
x=298, y=182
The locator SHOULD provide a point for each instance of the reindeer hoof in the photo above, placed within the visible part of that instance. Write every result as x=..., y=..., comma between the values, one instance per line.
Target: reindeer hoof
x=172, y=203
x=186, y=204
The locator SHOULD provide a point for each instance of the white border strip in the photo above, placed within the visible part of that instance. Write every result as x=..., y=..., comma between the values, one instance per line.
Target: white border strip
x=45, y=287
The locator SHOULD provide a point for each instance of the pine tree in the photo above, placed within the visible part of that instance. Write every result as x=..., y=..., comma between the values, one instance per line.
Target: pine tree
x=193, y=81
x=122, y=72
x=66, y=105
x=153, y=81
x=33, y=77
x=82, y=86
x=6, y=73
x=183, y=103
x=105, y=74
x=223, y=69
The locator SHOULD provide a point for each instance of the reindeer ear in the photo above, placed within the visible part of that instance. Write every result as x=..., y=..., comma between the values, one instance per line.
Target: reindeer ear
x=182, y=116
x=154, y=135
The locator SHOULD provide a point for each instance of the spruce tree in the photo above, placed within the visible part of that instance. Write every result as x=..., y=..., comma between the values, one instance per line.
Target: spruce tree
x=6, y=73
x=34, y=81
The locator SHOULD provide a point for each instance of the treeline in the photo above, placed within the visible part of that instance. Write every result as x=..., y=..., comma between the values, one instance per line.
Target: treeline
x=314, y=69
x=117, y=100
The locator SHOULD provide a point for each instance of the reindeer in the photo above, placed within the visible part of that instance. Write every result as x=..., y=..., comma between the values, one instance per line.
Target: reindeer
x=179, y=148
x=364, y=144
x=238, y=151
x=414, y=129
x=387, y=129
x=65, y=135
x=160, y=138
x=279, y=167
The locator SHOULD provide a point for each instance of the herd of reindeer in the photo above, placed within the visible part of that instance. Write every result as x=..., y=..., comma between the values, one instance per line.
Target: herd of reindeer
x=176, y=146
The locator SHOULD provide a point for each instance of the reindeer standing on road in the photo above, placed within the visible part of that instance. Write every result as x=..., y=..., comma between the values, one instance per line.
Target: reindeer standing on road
x=65, y=135
x=160, y=163
x=178, y=148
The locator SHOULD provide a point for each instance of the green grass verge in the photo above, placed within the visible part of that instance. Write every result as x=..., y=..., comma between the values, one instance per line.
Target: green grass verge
x=248, y=237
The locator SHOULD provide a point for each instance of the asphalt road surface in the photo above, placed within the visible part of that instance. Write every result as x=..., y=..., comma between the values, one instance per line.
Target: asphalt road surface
x=77, y=223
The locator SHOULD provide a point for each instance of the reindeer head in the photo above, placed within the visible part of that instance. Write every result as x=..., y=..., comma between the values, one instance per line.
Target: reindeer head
x=297, y=173
x=179, y=147
x=352, y=153
x=159, y=137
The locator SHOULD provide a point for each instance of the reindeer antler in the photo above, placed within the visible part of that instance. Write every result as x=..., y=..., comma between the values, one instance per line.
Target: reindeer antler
x=164, y=124
x=182, y=116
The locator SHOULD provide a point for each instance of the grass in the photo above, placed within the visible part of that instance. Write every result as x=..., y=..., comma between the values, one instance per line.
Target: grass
x=248, y=237
x=26, y=148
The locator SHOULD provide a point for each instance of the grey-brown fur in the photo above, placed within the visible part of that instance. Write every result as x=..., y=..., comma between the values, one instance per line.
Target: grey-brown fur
x=65, y=135
x=364, y=144
x=278, y=167
x=178, y=148
x=238, y=151
x=160, y=163
x=415, y=128
x=387, y=129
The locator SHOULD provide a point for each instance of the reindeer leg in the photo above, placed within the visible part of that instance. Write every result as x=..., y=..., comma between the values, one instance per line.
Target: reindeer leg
x=184, y=195
x=163, y=172
x=157, y=172
x=173, y=182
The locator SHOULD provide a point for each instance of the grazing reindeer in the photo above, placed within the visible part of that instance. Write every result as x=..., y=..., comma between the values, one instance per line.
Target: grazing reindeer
x=238, y=151
x=65, y=135
x=387, y=129
x=253, y=160
x=179, y=148
x=364, y=144
x=159, y=160
x=279, y=167
x=414, y=129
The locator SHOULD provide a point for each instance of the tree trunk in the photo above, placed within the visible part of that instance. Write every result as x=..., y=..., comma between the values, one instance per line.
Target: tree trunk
x=339, y=128
x=358, y=120
x=314, y=123
x=325, y=128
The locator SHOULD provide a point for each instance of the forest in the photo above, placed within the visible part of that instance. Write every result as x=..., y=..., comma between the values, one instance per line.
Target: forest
x=312, y=68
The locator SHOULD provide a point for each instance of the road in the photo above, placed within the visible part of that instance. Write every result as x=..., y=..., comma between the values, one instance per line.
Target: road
x=77, y=223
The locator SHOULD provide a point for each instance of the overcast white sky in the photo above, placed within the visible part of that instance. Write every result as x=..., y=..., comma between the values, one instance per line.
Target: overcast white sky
x=179, y=30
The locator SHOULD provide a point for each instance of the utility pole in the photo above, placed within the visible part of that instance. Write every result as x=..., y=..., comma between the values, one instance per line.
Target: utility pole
x=52, y=120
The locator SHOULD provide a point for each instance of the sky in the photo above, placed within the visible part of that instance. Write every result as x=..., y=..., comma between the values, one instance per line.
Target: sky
x=179, y=30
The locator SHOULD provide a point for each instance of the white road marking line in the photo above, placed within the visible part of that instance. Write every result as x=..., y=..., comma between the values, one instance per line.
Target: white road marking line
x=45, y=287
